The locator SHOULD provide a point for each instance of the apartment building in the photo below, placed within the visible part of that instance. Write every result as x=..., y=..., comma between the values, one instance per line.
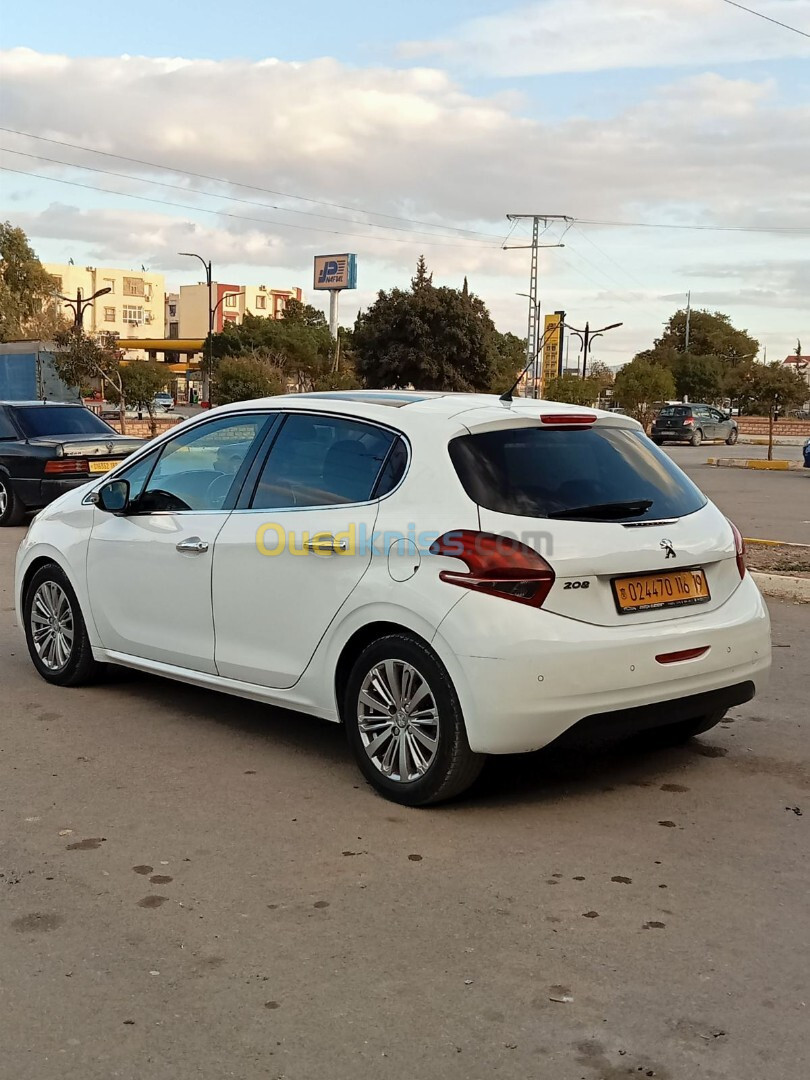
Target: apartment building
x=230, y=302
x=133, y=308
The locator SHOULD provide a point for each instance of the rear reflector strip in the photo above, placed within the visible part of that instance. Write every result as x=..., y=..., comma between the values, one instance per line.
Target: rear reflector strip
x=684, y=654
x=562, y=419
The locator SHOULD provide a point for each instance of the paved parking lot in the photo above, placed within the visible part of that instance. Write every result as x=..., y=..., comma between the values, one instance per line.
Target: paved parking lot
x=195, y=887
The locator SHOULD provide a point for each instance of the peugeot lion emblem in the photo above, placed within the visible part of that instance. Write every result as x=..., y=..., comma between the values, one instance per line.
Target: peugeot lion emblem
x=669, y=549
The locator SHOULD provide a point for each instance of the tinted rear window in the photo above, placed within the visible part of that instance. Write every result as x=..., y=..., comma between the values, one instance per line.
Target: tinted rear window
x=533, y=472
x=676, y=410
x=60, y=420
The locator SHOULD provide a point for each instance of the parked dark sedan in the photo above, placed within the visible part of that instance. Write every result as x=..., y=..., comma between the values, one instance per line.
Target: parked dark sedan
x=693, y=424
x=47, y=448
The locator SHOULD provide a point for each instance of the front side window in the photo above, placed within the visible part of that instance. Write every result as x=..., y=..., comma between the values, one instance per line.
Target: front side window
x=138, y=474
x=198, y=469
x=592, y=474
x=322, y=460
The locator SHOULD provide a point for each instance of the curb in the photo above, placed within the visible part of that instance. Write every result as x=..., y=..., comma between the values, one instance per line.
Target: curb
x=756, y=463
x=783, y=587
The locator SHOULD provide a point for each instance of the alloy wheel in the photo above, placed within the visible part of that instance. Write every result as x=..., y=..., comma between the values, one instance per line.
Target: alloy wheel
x=398, y=720
x=3, y=498
x=52, y=625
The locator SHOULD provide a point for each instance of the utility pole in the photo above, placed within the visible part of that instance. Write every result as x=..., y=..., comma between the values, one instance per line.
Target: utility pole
x=688, y=317
x=534, y=304
x=206, y=392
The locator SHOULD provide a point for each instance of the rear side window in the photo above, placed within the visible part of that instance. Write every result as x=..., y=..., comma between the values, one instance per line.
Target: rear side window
x=322, y=460
x=7, y=429
x=532, y=472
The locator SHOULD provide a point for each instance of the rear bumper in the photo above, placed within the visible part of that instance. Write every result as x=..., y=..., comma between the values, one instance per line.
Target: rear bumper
x=38, y=493
x=673, y=433
x=525, y=676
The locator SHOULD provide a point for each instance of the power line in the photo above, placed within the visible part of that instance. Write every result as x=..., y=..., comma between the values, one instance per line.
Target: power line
x=247, y=187
x=697, y=228
x=228, y=198
x=767, y=18
x=239, y=217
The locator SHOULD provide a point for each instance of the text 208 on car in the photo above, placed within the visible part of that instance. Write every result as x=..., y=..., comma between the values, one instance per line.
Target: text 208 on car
x=448, y=575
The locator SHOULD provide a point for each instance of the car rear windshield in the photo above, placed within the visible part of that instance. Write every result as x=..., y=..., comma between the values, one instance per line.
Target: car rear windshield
x=574, y=473
x=36, y=420
x=676, y=410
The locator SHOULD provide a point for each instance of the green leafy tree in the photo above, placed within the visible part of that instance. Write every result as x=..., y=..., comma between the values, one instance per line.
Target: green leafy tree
x=775, y=388
x=241, y=378
x=301, y=346
x=428, y=337
x=303, y=314
x=141, y=380
x=640, y=385
x=508, y=354
x=81, y=360
x=573, y=390
x=710, y=334
x=698, y=378
x=27, y=307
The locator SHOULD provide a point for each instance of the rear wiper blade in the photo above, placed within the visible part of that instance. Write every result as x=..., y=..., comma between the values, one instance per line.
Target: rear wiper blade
x=608, y=510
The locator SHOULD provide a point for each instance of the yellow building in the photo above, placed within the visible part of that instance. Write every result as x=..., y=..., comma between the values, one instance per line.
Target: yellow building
x=133, y=308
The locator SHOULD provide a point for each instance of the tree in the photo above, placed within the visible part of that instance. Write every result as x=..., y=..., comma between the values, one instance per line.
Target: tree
x=508, y=354
x=300, y=346
x=431, y=338
x=640, y=385
x=303, y=314
x=80, y=360
x=601, y=373
x=241, y=378
x=775, y=388
x=141, y=380
x=27, y=308
x=710, y=334
x=698, y=378
x=573, y=390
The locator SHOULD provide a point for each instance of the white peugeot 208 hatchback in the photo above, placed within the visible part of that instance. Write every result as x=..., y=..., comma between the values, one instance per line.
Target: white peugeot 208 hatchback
x=448, y=575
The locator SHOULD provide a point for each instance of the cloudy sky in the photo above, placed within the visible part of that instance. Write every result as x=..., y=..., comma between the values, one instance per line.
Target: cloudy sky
x=675, y=132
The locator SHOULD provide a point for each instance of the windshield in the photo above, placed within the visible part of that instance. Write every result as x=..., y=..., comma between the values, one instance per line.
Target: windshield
x=532, y=472
x=38, y=420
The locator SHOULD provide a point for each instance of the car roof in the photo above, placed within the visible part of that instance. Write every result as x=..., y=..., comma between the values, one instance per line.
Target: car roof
x=72, y=404
x=411, y=408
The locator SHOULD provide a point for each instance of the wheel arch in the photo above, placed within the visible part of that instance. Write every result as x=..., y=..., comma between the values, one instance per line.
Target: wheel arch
x=354, y=646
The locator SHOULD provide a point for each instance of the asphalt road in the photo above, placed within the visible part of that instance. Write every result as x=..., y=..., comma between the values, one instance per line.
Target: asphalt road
x=195, y=887
x=764, y=505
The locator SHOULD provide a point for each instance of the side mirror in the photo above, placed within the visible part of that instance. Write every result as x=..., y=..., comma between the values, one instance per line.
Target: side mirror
x=114, y=496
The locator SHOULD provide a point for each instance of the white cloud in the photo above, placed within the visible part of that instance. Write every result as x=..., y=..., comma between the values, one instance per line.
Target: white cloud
x=552, y=36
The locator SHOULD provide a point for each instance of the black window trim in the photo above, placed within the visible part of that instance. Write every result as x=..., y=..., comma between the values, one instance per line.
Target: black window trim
x=248, y=492
x=230, y=503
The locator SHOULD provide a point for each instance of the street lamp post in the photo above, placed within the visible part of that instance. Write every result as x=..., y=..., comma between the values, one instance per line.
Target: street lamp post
x=211, y=309
x=80, y=304
x=587, y=338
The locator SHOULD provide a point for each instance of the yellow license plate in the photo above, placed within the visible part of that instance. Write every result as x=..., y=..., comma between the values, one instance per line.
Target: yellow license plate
x=104, y=466
x=670, y=588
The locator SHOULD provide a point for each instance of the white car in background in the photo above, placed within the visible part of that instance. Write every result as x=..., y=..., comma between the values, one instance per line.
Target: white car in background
x=449, y=575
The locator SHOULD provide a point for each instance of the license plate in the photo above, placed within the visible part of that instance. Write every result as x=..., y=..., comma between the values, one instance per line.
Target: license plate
x=104, y=466
x=670, y=588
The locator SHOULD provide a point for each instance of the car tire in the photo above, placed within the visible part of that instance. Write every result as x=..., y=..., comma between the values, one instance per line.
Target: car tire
x=697, y=438
x=658, y=440
x=55, y=631
x=733, y=435
x=12, y=510
x=390, y=738
x=683, y=730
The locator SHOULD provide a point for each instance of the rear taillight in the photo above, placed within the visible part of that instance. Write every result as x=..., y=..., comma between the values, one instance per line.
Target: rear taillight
x=497, y=565
x=739, y=547
x=67, y=465
x=561, y=419
x=688, y=421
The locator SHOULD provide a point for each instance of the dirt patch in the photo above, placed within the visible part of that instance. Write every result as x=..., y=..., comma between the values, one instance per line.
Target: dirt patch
x=779, y=559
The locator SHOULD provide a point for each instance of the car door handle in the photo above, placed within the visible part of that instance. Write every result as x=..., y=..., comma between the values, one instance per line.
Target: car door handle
x=193, y=545
x=326, y=543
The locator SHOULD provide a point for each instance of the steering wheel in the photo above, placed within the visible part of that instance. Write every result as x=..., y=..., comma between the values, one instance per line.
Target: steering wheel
x=217, y=490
